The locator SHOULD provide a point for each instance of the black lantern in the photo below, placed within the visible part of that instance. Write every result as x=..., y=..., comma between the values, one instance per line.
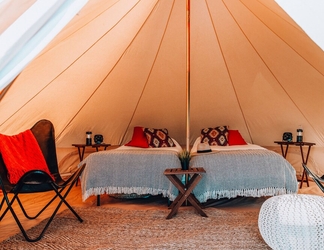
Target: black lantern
x=88, y=139
x=299, y=135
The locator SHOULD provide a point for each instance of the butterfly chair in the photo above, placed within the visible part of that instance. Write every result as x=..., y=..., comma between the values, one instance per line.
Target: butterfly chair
x=35, y=181
x=318, y=180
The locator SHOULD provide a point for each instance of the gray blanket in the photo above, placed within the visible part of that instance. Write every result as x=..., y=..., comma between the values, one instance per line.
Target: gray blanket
x=253, y=173
x=128, y=172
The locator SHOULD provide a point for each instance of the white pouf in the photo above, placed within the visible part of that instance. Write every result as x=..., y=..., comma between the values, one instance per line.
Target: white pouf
x=293, y=221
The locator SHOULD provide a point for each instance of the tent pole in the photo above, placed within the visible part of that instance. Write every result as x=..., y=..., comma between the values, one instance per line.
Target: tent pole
x=188, y=76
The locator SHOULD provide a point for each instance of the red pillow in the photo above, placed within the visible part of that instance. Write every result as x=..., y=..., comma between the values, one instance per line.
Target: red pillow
x=235, y=138
x=138, y=139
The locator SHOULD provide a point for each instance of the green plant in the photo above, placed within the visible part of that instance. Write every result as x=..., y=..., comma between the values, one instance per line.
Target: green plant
x=184, y=157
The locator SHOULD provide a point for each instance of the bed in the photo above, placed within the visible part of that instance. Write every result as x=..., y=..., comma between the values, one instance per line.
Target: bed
x=242, y=169
x=130, y=170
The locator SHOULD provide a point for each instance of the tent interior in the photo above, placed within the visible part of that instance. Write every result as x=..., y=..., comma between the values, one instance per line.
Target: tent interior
x=124, y=63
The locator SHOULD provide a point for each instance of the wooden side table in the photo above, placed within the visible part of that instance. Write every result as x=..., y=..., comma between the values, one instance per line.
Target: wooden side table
x=185, y=190
x=304, y=159
x=81, y=148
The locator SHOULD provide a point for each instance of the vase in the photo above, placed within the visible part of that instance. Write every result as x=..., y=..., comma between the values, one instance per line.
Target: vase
x=185, y=165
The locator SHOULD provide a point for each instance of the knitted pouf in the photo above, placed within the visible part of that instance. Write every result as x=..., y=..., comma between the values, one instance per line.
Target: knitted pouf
x=293, y=221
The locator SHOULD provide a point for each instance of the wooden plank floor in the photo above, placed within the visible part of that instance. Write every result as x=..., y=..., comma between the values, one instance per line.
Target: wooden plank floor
x=33, y=202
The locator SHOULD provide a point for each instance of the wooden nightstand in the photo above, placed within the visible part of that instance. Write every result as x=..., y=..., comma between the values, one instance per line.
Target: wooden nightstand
x=304, y=159
x=81, y=148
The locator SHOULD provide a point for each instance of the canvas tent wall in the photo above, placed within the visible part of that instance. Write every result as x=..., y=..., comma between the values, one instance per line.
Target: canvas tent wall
x=120, y=64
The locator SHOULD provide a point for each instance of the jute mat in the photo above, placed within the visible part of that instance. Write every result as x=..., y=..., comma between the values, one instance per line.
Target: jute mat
x=116, y=228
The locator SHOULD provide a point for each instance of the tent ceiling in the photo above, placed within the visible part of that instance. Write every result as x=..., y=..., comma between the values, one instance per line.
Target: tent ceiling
x=122, y=63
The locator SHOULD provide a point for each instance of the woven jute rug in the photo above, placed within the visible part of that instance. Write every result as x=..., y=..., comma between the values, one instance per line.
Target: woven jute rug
x=117, y=228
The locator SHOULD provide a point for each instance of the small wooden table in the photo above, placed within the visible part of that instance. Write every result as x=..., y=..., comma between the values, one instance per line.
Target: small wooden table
x=304, y=159
x=185, y=190
x=81, y=147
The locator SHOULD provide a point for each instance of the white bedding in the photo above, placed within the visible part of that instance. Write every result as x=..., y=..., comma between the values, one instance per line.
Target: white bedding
x=176, y=149
x=226, y=148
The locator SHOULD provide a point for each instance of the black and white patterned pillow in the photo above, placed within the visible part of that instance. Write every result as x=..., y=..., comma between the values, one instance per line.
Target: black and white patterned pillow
x=158, y=138
x=217, y=136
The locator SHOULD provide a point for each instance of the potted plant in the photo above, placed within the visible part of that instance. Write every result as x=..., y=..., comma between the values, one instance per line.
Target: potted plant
x=184, y=157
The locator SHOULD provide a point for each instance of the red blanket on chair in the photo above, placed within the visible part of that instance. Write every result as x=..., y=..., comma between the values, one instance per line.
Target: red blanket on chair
x=21, y=153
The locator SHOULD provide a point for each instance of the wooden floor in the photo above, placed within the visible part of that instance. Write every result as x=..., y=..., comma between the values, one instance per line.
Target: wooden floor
x=8, y=226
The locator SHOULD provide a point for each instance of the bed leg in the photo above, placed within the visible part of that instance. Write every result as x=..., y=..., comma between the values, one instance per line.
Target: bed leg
x=98, y=200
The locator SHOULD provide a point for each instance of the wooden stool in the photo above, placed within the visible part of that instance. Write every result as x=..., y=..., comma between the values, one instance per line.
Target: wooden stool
x=185, y=190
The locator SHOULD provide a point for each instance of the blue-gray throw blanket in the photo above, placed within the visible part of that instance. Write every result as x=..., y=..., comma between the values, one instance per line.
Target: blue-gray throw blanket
x=253, y=173
x=128, y=172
